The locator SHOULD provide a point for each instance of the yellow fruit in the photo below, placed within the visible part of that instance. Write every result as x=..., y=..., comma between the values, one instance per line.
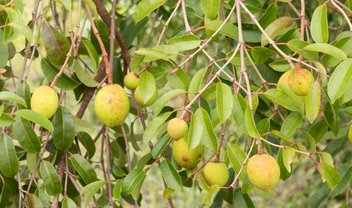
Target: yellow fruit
x=131, y=81
x=139, y=99
x=177, y=128
x=185, y=157
x=300, y=81
x=215, y=173
x=45, y=101
x=263, y=171
x=111, y=105
x=283, y=81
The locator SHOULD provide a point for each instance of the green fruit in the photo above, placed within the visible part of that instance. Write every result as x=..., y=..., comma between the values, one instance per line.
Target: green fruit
x=131, y=81
x=177, y=128
x=45, y=101
x=263, y=171
x=139, y=99
x=300, y=81
x=215, y=173
x=185, y=157
x=111, y=105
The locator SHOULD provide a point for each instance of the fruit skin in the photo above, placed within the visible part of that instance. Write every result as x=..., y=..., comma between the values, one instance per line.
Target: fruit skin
x=183, y=156
x=283, y=81
x=45, y=101
x=131, y=81
x=177, y=128
x=263, y=171
x=215, y=173
x=111, y=105
x=139, y=99
x=300, y=80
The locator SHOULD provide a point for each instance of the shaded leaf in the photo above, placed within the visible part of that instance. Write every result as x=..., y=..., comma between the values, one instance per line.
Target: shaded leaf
x=50, y=178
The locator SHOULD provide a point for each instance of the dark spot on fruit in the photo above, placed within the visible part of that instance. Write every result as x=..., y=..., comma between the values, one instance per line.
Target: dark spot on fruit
x=184, y=158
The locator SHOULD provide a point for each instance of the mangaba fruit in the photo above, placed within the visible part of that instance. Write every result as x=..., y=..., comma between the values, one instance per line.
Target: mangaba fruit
x=263, y=171
x=300, y=81
x=45, y=101
x=111, y=105
x=177, y=128
x=185, y=157
x=283, y=81
x=139, y=99
x=215, y=173
x=131, y=81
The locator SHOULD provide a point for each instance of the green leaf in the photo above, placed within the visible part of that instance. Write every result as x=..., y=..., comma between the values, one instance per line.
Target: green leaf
x=242, y=200
x=329, y=174
x=291, y=123
x=285, y=100
x=312, y=101
x=160, y=146
x=64, y=132
x=33, y=201
x=145, y=7
x=9, y=96
x=52, y=183
x=345, y=45
x=89, y=190
x=133, y=180
x=326, y=158
x=239, y=106
x=297, y=45
x=9, y=164
x=276, y=28
x=339, y=80
x=327, y=49
x=341, y=186
x=84, y=75
x=55, y=44
x=155, y=125
x=36, y=118
x=180, y=80
x=93, y=54
x=170, y=175
x=210, y=8
x=24, y=29
x=6, y=120
x=83, y=168
x=261, y=54
x=288, y=154
x=250, y=124
x=26, y=136
x=185, y=42
x=269, y=15
x=224, y=101
x=4, y=52
x=237, y=156
x=68, y=203
x=88, y=143
x=50, y=71
x=280, y=65
x=147, y=86
x=228, y=29
x=165, y=98
x=319, y=27
x=196, y=83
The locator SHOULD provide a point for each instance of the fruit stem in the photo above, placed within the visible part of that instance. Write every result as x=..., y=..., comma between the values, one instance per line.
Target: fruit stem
x=260, y=147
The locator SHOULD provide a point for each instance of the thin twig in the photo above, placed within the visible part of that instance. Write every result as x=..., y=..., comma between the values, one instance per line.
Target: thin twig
x=122, y=127
x=343, y=13
x=112, y=35
x=108, y=167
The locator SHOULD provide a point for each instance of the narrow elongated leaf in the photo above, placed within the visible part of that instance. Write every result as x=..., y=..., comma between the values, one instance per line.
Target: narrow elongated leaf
x=145, y=7
x=329, y=174
x=84, y=76
x=9, y=165
x=170, y=175
x=50, y=71
x=88, y=143
x=339, y=80
x=210, y=8
x=345, y=45
x=291, y=123
x=154, y=126
x=341, y=186
x=319, y=27
x=239, y=106
x=147, y=86
x=9, y=96
x=250, y=124
x=133, y=180
x=228, y=29
x=55, y=44
x=297, y=45
x=165, y=98
x=326, y=158
x=196, y=83
x=285, y=100
x=34, y=201
x=237, y=156
x=224, y=101
x=275, y=28
x=185, y=42
x=36, y=118
x=93, y=54
x=64, y=132
x=24, y=29
x=288, y=155
x=160, y=146
x=52, y=183
x=261, y=54
x=83, y=168
x=312, y=101
x=180, y=80
x=68, y=203
x=210, y=139
x=89, y=190
x=26, y=136
x=327, y=49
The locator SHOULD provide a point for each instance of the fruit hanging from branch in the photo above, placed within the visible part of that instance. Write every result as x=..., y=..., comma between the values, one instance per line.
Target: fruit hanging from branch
x=185, y=157
x=45, y=101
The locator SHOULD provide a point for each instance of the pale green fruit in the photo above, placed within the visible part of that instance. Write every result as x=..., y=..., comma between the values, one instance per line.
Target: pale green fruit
x=300, y=81
x=45, y=101
x=139, y=99
x=111, y=105
x=177, y=128
x=185, y=157
x=263, y=171
x=215, y=173
x=283, y=81
x=131, y=81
